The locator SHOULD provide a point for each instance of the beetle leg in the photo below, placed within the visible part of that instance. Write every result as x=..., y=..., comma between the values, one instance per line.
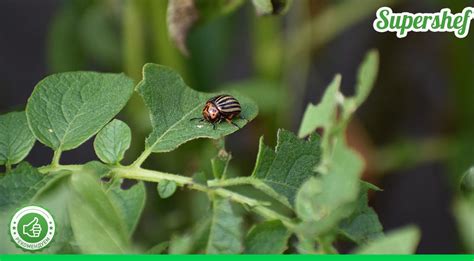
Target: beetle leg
x=213, y=126
x=233, y=123
x=200, y=119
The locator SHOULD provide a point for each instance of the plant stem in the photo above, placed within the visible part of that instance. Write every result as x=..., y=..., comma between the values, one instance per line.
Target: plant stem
x=56, y=157
x=139, y=161
x=156, y=176
x=231, y=182
x=8, y=166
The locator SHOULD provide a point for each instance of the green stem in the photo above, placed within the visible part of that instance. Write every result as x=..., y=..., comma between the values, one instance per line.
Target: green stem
x=56, y=157
x=157, y=176
x=8, y=166
x=231, y=182
x=139, y=161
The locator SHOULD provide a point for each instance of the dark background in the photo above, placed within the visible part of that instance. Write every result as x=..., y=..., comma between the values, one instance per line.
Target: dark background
x=415, y=130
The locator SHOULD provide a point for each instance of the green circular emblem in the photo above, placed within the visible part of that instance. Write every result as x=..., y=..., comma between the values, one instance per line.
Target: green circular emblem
x=32, y=228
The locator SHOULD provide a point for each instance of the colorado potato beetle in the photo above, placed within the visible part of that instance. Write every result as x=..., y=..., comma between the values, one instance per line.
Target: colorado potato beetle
x=220, y=107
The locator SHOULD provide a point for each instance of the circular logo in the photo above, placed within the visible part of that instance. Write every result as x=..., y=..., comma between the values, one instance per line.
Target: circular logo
x=32, y=228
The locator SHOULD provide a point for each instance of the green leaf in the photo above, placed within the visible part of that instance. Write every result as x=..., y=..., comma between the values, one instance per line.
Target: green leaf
x=322, y=115
x=129, y=203
x=399, y=242
x=97, y=225
x=287, y=167
x=366, y=76
x=112, y=141
x=172, y=105
x=21, y=185
x=220, y=163
x=269, y=237
x=166, y=188
x=464, y=214
x=16, y=139
x=363, y=224
x=226, y=232
x=323, y=201
x=271, y=7
x=66, y=109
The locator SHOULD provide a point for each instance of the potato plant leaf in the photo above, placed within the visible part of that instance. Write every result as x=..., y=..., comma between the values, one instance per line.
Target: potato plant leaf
x=21, y=185
x=323, y=114
x=66, y=109
x=226, y=233
x=269, y=237
x=363, y=225
x=129, y=203
x=112, y=141
x=402, y=241
x=172, y=105
x=323, y=201
x=287, y=167
x=16, y=139
x=96, y=222
x=166, y=188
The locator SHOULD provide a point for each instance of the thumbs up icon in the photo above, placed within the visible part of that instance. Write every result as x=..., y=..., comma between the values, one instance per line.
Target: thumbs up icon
x=32, y=229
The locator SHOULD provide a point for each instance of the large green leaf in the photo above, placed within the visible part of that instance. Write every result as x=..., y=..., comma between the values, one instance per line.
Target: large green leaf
x=96, y=222
x=399, y=242
x=66, y=109
x=269, y=237
x=363, y=224
x=193, y=242
x=226, y=233
x=172, y=105
x=287, y=167
x=112, y=141
x=16, y=139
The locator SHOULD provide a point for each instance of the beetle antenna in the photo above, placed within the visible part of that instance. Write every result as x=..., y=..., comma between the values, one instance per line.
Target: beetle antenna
x=200, y=118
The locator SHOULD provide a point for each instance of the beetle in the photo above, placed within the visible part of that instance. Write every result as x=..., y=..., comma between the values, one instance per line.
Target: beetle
x=221, y=107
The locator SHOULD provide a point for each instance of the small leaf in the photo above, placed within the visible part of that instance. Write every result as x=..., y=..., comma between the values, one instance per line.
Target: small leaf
x=269, y=237
x=166, y=188
x=172, y=105
x=226, y=232
x=21, y=185
x=289, y=166
x=271, y=7
x=66, y=109
x=322, y=115
x=402, y=241
x=112, y=141
x=366, y=76
x=16, y=139
x=97, y=225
